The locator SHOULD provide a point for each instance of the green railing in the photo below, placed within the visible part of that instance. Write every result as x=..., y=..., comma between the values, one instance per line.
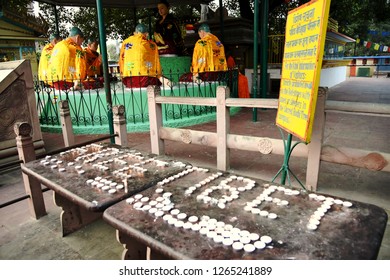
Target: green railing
x=88, y=106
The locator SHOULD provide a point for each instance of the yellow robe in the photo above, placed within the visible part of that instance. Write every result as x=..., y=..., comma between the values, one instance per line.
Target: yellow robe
x=67, y=62
x=139, y=57
x=94, y=63
x=209, y=55
x=43, y=74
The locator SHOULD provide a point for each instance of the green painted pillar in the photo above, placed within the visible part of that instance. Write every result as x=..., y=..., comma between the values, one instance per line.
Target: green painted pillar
x=106, y=74
x=255, y=54
x=264, y=49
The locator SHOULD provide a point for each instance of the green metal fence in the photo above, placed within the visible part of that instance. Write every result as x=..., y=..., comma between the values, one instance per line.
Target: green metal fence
x=88, y=106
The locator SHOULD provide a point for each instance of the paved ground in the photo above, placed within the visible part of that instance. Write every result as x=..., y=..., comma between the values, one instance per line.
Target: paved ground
x=22, y=237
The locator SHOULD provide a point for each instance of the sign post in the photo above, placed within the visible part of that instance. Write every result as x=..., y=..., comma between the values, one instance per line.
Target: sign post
x=301, y=69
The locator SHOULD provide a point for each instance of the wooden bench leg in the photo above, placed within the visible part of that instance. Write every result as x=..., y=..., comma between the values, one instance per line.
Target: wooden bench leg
x=134, y=250
x=73, y=217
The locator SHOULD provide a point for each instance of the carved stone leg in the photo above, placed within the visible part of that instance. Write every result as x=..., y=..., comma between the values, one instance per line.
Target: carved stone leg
x=73, y=217
x=134, y=250
x=26, y=152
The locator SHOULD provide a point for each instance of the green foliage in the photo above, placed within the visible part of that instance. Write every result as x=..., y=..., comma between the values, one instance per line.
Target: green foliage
x=65, y=16
x=355, y=17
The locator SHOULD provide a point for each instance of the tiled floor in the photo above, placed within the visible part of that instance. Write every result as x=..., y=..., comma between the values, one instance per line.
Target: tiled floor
x=22, y=237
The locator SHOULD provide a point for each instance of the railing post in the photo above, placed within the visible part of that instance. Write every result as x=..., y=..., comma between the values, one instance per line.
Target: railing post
x=223, y=128
x=66, y=123
x=120, y=125
x=315, y=146
x=25, y=146
x=155, y=120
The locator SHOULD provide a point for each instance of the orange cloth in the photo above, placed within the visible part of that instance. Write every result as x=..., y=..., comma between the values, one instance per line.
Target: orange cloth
x=230, y=62
x=67, y=62
x=43, y=74
x=209, y=55
x=94, y=63
x=243, y=88
x=139, y=57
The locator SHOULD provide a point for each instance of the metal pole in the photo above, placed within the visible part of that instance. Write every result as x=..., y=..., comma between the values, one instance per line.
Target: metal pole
x=255, y=54
x=103, y=48
x=135, y=17
x=286, y=159
x=264, y=50
x=221, y=22
x=56, y=19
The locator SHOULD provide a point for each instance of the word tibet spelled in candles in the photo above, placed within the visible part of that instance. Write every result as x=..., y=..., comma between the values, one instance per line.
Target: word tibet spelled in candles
x=209, y=191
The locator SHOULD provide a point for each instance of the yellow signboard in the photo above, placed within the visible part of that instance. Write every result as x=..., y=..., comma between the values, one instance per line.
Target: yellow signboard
x=303, y=52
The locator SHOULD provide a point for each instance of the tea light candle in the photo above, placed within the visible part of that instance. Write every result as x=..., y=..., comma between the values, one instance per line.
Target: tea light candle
x=211, y=234
x=284, y=202
x=249, y=248
x=175, y=211
x=338, y=201
x=263, y=213
x=167, y=217
x=272, y=216
x=181, y=216
x=218, y=239
x=153, y=202
x=89, y=181
x=159, y=213
x=187, y=225
x=237, y=246
x=221, y=205
x=193, y=219
x=167, y=208
x=227, y=241
x=311, y=227
x=137, y=205
x=112, y=191
x=245, y=240
x=195, y=227
x=266, y=239
x=254, y=236
x=347, y=204
x=259, y=245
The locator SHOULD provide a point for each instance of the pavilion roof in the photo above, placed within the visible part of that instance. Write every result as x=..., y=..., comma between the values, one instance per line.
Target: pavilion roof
x=120, y=3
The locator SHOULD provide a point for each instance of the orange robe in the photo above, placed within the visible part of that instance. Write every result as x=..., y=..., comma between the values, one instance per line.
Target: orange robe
x=139, y=57
x=94, y=63
x=209, y=55
x=67, y=62
x=243, y=87
x=44, y=62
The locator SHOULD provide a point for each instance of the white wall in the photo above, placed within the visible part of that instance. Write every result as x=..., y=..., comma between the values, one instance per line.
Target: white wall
x=333, y=76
